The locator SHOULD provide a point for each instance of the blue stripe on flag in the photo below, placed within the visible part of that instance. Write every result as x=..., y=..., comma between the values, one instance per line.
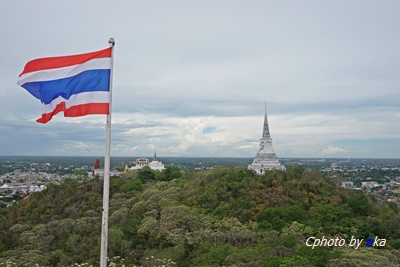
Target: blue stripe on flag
x=87, y=81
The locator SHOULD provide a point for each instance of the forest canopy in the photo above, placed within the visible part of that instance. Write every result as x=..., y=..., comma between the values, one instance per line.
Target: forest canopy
x=219, y=217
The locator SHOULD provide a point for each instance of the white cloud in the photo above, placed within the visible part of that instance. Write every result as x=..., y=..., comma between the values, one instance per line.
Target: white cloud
x=192, y=135
x=332, y=150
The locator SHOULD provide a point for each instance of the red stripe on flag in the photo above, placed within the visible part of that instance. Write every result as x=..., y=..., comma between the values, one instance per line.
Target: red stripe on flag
x=63, y=61
x=76, y=111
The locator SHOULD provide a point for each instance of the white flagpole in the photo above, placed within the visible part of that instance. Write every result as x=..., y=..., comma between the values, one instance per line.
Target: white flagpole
x=106, y=189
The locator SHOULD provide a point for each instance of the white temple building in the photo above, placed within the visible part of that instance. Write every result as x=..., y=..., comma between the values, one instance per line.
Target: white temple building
x=154, y=164
x=266, y=158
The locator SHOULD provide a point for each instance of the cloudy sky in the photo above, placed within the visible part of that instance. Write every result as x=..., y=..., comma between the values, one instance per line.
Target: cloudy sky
x=191, y=77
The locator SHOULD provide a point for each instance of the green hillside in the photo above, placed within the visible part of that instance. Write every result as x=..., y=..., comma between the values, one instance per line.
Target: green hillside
x=221, y=217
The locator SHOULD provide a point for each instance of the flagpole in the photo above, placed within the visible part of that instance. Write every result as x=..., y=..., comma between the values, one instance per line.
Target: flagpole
x=106, y=188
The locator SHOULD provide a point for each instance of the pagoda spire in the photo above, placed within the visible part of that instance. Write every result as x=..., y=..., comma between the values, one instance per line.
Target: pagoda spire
x=266, y=158
x=266, y=128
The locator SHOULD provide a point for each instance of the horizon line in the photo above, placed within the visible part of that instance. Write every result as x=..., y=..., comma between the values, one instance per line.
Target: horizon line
x=233, y=157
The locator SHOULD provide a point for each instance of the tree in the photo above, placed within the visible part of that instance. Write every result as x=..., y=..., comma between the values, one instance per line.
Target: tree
x=271, y=261
x=359, y=204
x=146, y=174
x=393, y=206
x=278, y=217
x=333, y=219
x=170, y=173
x=216, y=256
x=131, y=185
x=365, y=257
x=117, y=245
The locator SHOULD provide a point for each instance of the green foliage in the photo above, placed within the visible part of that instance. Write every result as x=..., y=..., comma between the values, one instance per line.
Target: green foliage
x=296, y=261
x=317, y=256
x=117, y=244
x=370, y=227
x=170, y=173
x=359, y=204
x=219, y=217
x=332, y=219
x=394, y=243
x=131, y=185
x=365, y=257
x=278, y=217
x=271, y=261
x=216, y=256
x=393, y=206
x=146, y=174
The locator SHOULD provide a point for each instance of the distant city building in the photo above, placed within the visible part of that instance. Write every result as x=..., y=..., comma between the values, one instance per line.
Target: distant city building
x=6, y=187
x=266, y=158
x=140, y=163
x=154, y=164
x=100, y=172
x=368, y=185
x=347, y=184
x=36, y=188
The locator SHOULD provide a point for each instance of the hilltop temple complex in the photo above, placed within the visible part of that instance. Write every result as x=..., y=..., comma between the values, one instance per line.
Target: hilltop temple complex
x=154, y=164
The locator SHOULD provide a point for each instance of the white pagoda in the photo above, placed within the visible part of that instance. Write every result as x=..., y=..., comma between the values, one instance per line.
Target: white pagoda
x=266, y=158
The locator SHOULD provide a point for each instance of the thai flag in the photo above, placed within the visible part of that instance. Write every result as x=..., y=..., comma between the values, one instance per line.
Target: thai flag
x=77, y=85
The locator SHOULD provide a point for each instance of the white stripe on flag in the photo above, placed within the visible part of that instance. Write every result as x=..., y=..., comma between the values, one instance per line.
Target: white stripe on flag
x=65, y=72
x=79, y=99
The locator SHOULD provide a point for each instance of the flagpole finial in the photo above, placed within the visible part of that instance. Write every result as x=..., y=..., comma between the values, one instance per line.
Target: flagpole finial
x=111, y=41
